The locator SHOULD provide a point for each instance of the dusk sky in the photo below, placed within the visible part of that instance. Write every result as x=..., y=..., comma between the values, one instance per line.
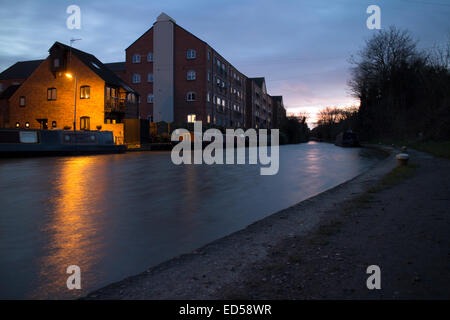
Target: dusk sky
x=300, y=47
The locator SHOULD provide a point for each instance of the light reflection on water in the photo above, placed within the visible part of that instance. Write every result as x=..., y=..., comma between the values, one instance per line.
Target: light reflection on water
x=116, y=215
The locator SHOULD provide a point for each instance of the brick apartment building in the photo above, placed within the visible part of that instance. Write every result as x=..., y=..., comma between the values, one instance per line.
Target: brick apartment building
x=182, y=79
x=45, y=99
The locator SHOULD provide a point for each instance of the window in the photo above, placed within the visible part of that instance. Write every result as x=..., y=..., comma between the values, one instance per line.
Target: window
x=150, y=98
x=209, y=75
x=53, y=124
x=208, y=97
x=137, y=58
x=191, y=75
x=191, y=54
x=1, y=87
x=85, y=123
x=150, y=77
x=136, y=78
x=56, y=63
x=191, y=118
x=150, y=57
x=131, y=98
x=191, y=96
x=85, y=92
x=22, y=101
x=51, y=94
x=209, y=55
x=209, y=118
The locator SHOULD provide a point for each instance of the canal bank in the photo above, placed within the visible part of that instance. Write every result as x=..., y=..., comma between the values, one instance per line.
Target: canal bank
x=321, y=247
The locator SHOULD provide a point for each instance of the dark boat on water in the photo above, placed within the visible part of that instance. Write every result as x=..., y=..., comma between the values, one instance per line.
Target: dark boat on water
x=27, y=142
x=347, y=139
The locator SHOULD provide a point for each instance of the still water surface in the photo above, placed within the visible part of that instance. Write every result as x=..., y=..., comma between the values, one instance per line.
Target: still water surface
x=116, y=215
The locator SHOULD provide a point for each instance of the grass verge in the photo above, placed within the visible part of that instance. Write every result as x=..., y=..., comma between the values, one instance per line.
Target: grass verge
x=436, y=148
x=396, y=176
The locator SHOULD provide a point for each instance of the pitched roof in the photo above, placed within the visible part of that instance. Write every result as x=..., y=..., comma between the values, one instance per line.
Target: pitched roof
x=116, y=66
x=9, y=91
x=96, y=66
x=20, y=70
x=278, y=98
x=258, y=81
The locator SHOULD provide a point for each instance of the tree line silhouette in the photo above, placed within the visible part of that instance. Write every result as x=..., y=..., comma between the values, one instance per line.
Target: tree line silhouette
x=403, y=91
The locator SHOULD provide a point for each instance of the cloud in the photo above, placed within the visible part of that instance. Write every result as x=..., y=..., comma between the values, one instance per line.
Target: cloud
x=301, y=47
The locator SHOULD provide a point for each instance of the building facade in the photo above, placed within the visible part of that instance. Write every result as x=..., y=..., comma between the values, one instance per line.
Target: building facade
x=278, y=111
x=259, y=105
x=182, y=79
x=176, y=78
x=46, y=99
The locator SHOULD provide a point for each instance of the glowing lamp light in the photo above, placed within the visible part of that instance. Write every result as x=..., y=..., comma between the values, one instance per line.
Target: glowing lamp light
x=69, y=75
x=27, y=124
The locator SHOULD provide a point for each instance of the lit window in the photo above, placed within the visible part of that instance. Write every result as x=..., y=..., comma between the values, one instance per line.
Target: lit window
x=223, y=103
x=150, y=57
x=150, y=77
x=191, y=75
x=209, y=118
x=136, y=78
x=22, y=101
x=85, y=123
x=191, y=54
x=51, y=94
x=131, y=98
x=191, y=118
x=191, y=96
x=150, y=98
x=137, y=58
x=85, y=92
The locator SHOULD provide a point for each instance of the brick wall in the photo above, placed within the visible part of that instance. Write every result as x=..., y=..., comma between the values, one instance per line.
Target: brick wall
x=34, y=89
x=142, y=46
x=184, y=41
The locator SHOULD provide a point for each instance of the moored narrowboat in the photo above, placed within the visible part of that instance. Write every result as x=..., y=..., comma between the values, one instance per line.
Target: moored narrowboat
x=27, y=142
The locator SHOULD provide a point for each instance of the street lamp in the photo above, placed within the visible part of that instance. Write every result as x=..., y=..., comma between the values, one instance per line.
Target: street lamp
x=70, y=76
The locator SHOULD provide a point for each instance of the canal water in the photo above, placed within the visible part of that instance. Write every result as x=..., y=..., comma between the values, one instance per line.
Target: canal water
x=116, y=215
